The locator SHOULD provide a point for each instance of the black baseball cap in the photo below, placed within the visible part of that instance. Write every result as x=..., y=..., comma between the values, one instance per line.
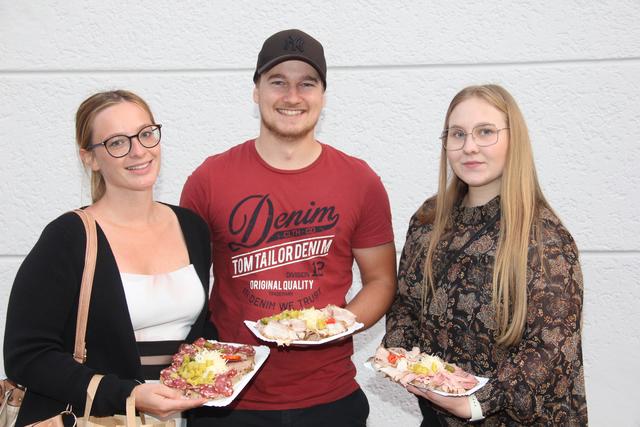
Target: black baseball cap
x=288, y=45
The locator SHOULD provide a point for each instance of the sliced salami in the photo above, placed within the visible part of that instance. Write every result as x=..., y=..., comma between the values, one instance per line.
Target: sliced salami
x=208, y=368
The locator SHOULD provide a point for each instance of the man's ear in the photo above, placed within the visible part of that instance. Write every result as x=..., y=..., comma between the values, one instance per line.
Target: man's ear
x=256, y=96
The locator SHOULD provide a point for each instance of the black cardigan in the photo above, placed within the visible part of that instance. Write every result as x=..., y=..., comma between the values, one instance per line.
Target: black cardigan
x=41, y=321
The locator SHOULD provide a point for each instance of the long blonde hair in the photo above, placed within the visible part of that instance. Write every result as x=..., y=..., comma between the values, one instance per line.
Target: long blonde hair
x=85, y=116
x=520, y=201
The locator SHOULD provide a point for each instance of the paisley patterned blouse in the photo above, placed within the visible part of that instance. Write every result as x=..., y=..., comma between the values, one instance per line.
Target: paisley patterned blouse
x=540, y=381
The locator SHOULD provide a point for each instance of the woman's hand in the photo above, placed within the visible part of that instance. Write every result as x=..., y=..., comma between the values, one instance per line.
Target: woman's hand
x=161, y=401
x=458, y=406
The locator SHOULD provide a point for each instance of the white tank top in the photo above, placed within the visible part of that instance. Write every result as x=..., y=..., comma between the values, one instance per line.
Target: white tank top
x=163, y=306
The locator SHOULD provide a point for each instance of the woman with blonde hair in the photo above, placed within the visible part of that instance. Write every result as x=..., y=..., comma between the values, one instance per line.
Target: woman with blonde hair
x=150, y=285
x=489, y=277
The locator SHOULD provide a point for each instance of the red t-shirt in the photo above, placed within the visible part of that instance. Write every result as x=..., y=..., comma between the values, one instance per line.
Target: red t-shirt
x=283, y=239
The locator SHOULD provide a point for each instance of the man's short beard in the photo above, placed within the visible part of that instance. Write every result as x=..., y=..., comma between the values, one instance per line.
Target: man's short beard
x=291, y=136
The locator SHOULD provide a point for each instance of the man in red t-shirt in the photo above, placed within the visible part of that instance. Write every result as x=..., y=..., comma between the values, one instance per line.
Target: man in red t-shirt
x=288, y=215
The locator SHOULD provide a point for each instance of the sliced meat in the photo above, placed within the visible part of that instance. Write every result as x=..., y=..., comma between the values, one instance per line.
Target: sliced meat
x=277, y=331
x=396, y=362
x=340, y=314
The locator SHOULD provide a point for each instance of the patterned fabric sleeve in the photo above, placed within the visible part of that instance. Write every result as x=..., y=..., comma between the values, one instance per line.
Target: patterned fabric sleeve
x=403, y=318
x=546, y=365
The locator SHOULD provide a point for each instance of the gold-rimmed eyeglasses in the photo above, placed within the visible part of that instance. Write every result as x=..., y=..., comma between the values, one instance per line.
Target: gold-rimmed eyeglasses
x=484, y=135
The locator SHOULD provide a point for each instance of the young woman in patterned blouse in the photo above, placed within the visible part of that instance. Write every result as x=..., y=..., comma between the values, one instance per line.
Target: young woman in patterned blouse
x=489, y=277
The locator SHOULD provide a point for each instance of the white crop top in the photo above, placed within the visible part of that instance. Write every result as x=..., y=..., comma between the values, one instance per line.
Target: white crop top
x=163, y=306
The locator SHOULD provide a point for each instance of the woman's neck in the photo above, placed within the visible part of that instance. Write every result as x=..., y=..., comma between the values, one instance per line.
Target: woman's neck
x=130, y=209
x=480, y=196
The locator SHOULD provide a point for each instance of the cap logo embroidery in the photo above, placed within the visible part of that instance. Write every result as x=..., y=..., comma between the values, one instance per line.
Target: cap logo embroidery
x=292, y=44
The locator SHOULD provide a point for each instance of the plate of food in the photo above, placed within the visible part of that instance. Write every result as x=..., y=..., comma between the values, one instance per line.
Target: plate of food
x=425, y=372
x=214, y=370
x=309, y=326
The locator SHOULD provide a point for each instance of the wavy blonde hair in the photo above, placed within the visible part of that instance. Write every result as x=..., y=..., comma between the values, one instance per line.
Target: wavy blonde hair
x=520, y=202
x=85, y=116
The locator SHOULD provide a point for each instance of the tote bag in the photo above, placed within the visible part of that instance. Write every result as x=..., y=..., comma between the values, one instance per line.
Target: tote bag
x=129, y=420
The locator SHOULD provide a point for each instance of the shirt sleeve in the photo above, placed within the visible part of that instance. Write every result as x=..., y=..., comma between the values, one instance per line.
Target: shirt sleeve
x=548, y=359
x=374, y=226
x=403, y=318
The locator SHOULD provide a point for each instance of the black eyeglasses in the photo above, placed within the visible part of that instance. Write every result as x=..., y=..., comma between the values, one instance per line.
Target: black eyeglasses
x=120, y=145
x=483, y=135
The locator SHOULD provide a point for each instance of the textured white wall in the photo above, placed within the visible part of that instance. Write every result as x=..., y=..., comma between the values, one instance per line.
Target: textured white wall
x=393, y=67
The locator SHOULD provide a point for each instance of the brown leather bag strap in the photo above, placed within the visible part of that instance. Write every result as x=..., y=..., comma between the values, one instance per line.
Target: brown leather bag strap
x=91, y=395
x=79, y=352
